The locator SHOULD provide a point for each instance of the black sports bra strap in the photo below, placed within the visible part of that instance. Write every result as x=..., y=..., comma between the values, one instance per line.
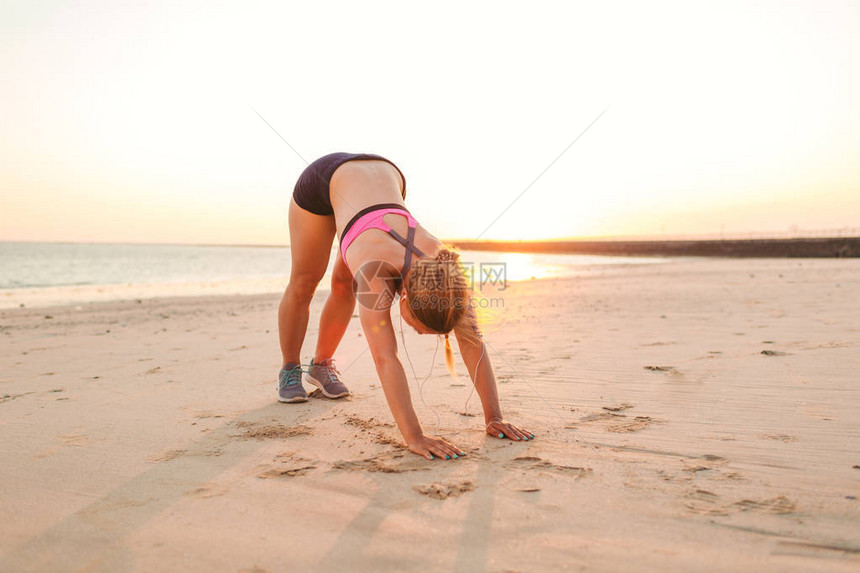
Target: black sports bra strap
x=410, y=248
x=411, y=244
x=407, y=261
x=397, y=236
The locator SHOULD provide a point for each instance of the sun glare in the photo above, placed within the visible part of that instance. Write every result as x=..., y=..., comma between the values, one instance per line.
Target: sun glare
x=728, y=117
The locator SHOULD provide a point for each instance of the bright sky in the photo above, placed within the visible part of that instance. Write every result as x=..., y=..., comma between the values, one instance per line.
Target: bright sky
x=133, y=121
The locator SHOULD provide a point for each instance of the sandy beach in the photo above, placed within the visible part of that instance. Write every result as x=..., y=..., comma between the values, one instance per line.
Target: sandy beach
x=698, y=415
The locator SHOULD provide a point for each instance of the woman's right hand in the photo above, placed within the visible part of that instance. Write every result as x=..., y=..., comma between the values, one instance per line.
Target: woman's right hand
x=431, y=447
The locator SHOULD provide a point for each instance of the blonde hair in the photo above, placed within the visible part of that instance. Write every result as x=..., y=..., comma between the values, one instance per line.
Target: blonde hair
x=439, y=297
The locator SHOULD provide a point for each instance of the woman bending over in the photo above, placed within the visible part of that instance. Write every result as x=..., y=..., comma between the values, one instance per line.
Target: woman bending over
x=384, y=253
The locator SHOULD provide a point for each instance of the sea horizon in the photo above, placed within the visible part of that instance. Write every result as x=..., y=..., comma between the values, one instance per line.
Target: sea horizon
x=50, y=274
x=790, y=234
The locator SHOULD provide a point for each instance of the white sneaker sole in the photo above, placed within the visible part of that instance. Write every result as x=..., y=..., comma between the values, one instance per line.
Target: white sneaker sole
x=293, y=400
x=311, y=380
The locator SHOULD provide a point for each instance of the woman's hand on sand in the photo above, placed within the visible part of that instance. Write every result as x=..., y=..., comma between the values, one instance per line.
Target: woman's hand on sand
x=431, y=447
x=501, y=429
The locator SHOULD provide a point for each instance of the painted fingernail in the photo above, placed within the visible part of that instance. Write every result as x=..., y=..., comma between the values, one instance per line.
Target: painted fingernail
x=455, y=456
x=501, y=435
x=533, y=435
x=519, y=438
x=447, y=457
x=462, y=453
x=431, y=457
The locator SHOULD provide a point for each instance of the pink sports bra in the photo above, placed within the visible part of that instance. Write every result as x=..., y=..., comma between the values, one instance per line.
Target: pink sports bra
x=371, y=218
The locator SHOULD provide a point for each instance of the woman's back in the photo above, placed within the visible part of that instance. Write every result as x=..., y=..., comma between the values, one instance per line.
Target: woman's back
x=357, y=185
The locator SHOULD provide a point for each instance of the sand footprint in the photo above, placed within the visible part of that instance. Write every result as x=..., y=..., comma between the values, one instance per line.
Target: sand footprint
x=619, y=423
x=383, y=463
x=619, y=408
x=707, y=503
x=78, y=440
x=706, y=463
x=784, y=438
x=779, y=505
x=207, y=491
x=655, y=368
x=438, y=490
x=286, y=464
x=775, y=353
x=269, y=472
x=634, y=425
x=532, y=463
x=704, y=502
x=370, y=426
x=270, y=432
x=601, y=416
x=166, y=456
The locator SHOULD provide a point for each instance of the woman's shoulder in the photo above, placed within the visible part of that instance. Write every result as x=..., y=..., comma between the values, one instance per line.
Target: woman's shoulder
x=376, y=283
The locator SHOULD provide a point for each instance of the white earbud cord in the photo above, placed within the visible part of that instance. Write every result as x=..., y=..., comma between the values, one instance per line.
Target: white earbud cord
x=415, y=374
x=430, y=373
x=466, y=404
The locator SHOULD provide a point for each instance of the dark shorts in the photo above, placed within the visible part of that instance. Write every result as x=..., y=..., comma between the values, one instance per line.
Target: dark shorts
x=312, y=189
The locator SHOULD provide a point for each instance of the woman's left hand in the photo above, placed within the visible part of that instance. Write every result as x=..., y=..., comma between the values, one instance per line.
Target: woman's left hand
x=501, y=429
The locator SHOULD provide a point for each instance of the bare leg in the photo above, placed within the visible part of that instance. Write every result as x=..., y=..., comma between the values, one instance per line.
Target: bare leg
x=310, y=246
x=337, y=311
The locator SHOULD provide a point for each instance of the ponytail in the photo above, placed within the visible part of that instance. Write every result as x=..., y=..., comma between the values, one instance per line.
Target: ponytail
x=439, y=297
x=449, y=357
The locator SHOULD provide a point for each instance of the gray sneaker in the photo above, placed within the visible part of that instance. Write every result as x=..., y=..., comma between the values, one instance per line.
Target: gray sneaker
x=325, y=376
x=290, y=384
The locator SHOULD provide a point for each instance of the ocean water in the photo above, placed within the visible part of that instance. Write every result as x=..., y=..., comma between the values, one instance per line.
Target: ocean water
x=28, y=265
x=59, y=273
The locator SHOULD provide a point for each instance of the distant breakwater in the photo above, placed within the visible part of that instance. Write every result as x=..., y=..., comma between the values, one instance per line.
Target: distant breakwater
x=766, y=248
